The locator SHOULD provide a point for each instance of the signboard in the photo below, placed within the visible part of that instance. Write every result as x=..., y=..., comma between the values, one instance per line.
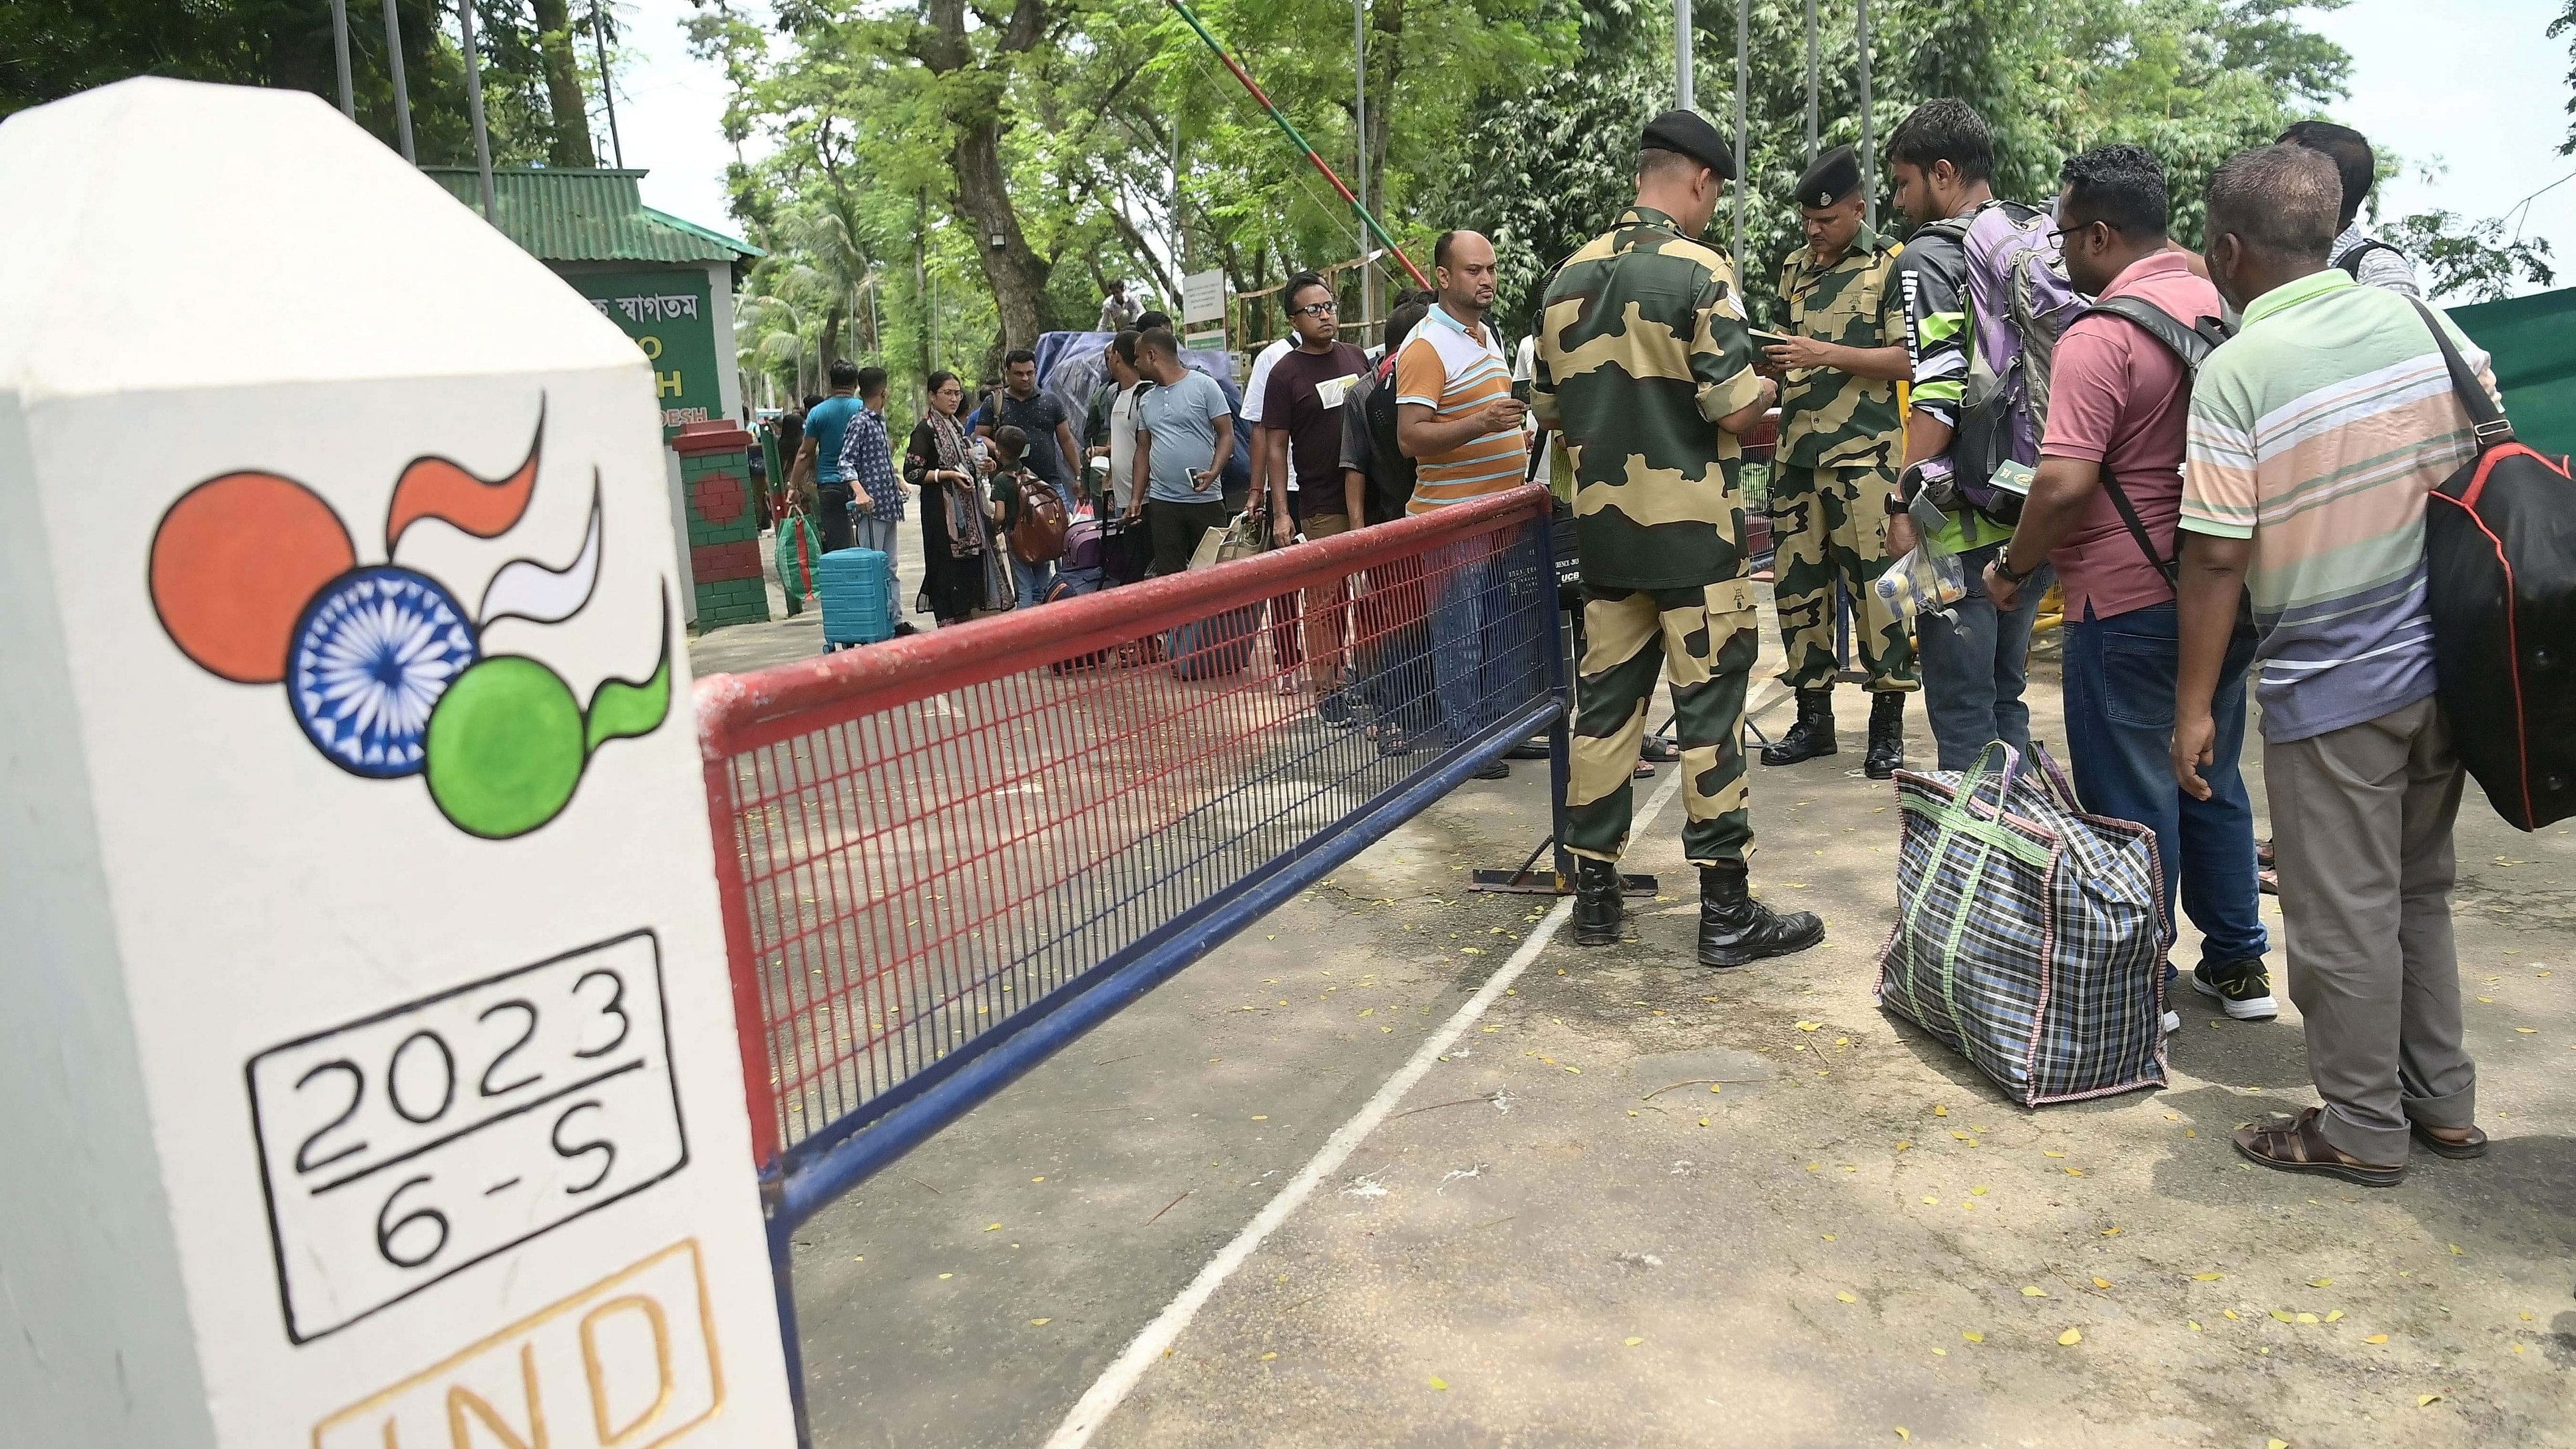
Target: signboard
x=1203, y=297
x=669, y=314
x=365, y=1035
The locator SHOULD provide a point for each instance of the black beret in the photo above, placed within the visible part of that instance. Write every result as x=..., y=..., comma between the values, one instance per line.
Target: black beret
x=1835, y=175
x=1689, y=133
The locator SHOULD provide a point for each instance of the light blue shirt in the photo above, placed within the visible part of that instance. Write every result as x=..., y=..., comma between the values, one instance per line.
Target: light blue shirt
x=826, y=424
x=1181, y=419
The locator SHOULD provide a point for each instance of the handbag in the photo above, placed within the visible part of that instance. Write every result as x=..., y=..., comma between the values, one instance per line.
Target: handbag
x=2500, y=565
x=1241, y=538
x=2030, y=936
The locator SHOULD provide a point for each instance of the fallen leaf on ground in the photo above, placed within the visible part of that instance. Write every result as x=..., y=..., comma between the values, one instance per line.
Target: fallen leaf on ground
x=1810, y=1025
x=2101, y=1282
x=2528, y=1030
x=2031, y=1291
x=2332, y=1317
x=2052, y=1154
x=2283, y=1314
x=2376, y=1338
x=2110, y=1232
x=1846, y=1297
x=2071, y=1337
x=1438, y=1382
x=2207, y=1277
x=2075, y=1172
x=2455, y=1251
x=2308, y=1318
x=2227, y=1313
x=1040, y=1322
x=1976, y=1192
x=1940, y=1111
x=1633, y=1342
x=992, y=1227
x=1971, y=1335
x=2426, y=1400
x=2321, y=1282
x=2276, y=1444
x=1930, y=1201
x=2194, y=1325
x=1903, y=1433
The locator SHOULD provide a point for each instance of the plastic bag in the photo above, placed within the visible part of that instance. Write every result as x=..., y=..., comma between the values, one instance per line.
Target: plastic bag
x=1922, y=582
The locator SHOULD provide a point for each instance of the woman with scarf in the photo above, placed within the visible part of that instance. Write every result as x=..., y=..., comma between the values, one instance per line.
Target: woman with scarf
x=964, y=570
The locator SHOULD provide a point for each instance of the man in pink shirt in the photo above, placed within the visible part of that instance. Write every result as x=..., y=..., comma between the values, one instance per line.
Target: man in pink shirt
x=2118, y=408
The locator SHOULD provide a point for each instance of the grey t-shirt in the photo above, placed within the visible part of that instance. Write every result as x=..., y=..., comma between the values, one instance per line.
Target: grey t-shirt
x=1181, y=419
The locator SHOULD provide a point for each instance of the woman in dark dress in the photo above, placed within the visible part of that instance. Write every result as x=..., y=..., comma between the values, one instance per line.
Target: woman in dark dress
x=958, y=549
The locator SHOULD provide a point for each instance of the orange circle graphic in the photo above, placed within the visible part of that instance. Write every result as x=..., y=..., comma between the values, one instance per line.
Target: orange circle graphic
x=235, y=561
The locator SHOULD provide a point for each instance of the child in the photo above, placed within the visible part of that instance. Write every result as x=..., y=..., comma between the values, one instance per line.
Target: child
x=1010, y=446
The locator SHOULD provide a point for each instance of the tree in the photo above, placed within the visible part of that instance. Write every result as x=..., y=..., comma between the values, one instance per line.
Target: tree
x=2469, y=261
x=532, y=74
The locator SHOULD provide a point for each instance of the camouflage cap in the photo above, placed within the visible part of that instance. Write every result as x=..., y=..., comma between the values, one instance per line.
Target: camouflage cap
x=1835, y=175
x=1689, y=133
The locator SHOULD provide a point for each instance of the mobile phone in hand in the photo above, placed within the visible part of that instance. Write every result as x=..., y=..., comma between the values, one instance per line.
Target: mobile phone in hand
x=1521, y=391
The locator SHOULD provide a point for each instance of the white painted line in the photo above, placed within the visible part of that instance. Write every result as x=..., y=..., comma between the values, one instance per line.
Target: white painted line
x=1122, y=1376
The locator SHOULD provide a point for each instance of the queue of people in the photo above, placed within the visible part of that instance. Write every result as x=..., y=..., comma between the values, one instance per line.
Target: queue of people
x=2233, y=509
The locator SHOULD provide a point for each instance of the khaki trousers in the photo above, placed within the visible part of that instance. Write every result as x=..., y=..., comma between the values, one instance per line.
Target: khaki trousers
x=2361, y=832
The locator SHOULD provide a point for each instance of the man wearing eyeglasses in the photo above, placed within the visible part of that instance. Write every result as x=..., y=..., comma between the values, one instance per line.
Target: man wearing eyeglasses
x=1300, y=424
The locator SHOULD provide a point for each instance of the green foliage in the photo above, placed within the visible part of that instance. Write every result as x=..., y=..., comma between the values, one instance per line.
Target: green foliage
x=2192, y=80
x=51, y=48
x=2459, y=260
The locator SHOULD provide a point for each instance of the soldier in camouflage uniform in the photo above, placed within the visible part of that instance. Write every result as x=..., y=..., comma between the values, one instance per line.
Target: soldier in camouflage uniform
x=1645, y=366
x=1835, y=465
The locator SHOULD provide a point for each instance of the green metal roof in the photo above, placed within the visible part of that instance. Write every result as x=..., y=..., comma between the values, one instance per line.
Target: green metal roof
x=566, y=215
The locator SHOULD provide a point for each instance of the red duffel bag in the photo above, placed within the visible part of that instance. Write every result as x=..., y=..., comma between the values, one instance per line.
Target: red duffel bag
x=2500, y=546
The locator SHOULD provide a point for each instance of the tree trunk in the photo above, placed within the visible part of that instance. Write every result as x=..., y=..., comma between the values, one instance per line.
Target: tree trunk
x=830, y=349
x=1016, y=274
x=571, y=143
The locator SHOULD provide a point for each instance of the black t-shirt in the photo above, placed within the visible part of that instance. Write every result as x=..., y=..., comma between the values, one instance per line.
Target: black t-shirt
x=1307, y=395
x=1038, y=416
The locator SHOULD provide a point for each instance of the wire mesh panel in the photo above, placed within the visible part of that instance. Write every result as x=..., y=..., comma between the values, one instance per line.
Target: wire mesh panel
x=929, y=845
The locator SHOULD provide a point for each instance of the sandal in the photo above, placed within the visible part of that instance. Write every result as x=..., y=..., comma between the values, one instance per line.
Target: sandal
x=2473, y=1145
x=2294, y=1144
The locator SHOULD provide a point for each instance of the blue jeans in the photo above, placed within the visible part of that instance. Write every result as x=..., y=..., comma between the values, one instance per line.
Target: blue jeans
x=1486, y=654
x=883, y=534
x=2119, y=729
x=1974, y=666
x=1032, y=579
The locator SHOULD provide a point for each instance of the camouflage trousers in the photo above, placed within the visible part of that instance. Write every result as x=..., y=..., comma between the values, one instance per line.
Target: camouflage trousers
x=1705, y=640
x=1829, y=524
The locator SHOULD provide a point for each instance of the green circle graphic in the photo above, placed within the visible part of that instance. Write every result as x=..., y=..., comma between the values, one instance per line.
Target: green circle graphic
x=504, y=748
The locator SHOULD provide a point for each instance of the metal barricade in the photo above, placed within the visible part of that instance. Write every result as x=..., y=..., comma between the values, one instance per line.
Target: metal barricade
x=945, y=857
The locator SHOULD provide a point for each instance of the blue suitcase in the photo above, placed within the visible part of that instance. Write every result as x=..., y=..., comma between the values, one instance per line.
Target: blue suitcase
x=853, y=586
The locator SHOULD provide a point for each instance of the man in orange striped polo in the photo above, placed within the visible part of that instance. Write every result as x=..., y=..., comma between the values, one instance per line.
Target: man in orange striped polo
x=1457, y=419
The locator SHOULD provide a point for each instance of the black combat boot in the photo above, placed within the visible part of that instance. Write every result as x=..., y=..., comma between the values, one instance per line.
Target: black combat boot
x=1811, y=736
x=1737, y=930
x=1886, y=736
x=1598, y=909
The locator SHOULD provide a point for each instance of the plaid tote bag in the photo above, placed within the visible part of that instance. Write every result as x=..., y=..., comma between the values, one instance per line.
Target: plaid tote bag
x=2030, y=936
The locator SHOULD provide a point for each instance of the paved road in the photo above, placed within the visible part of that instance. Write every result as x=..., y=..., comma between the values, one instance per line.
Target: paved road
x=1544, y=1246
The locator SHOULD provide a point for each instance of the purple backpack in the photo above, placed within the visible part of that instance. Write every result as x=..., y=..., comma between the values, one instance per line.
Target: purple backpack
x=2019, y=301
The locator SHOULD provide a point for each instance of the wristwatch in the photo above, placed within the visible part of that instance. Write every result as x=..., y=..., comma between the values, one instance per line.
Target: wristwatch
x=2004, y=569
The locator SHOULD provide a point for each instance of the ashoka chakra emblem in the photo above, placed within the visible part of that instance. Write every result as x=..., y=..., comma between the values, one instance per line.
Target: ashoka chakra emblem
x=372, y=654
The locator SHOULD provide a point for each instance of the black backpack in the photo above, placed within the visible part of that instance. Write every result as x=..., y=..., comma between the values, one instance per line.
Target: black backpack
x=2191, y=345
x=1391, y=473
x=2500, y=558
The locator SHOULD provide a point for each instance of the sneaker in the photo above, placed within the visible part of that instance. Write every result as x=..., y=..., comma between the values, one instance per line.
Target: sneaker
x=1334, y=710
x=2242, y=987
x=1495, y=771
